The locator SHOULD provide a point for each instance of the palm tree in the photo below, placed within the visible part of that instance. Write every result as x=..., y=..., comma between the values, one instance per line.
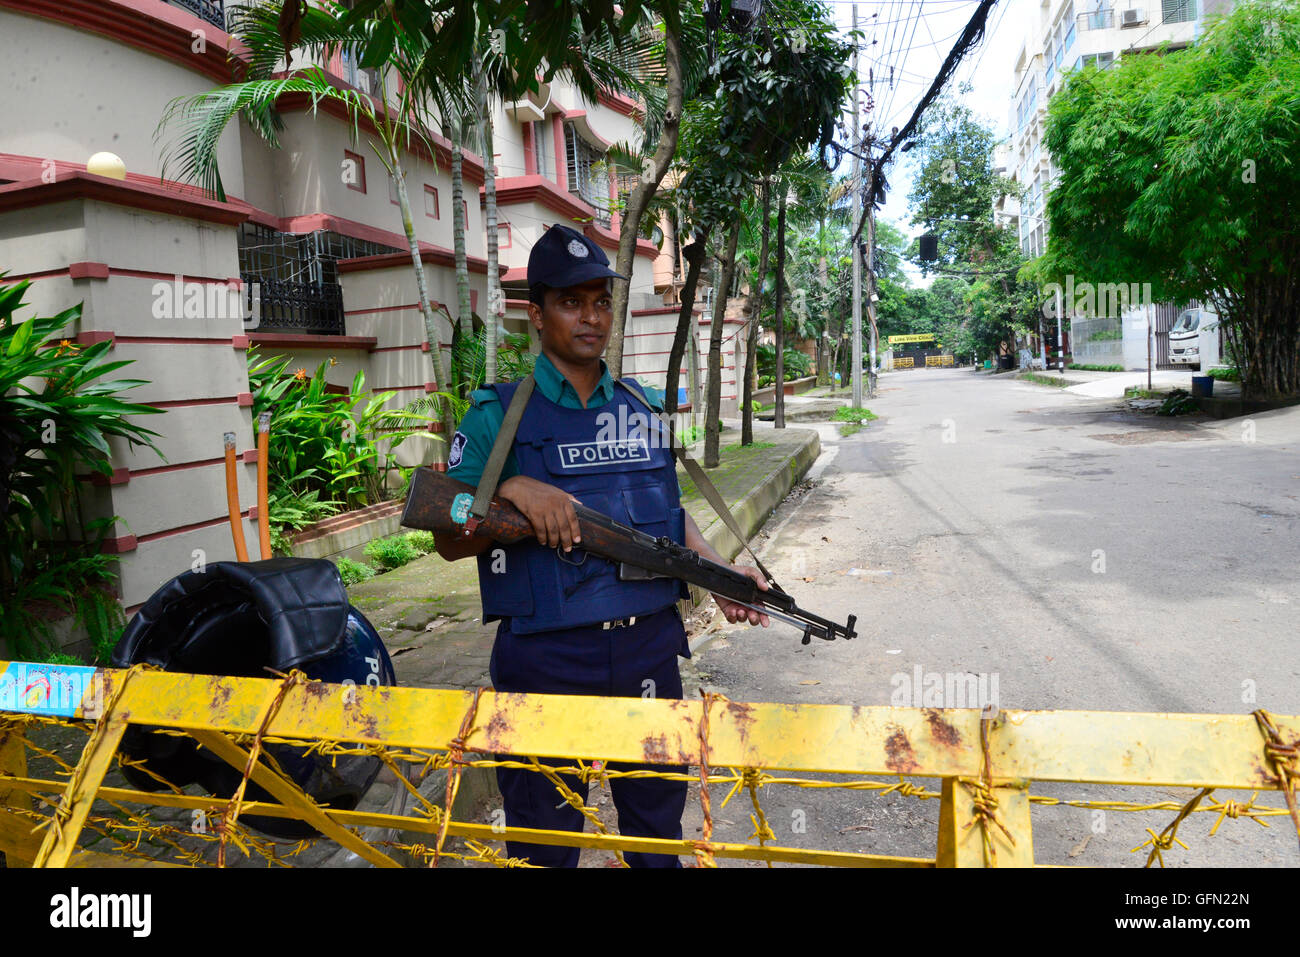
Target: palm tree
x=323, y=30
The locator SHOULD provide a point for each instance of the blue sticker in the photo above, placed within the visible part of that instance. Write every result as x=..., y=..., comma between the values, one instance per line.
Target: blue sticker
x=47, y=689
x=460, y=508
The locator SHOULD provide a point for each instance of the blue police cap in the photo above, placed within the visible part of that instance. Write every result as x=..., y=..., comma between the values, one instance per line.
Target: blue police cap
x=565, y=257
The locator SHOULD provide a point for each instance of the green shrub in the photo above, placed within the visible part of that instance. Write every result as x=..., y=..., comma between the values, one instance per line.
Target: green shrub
x=1094, y=368
x=422, y=541
x=291, y=513
x=1224, y=375
x=59, y=407
x=795, y=364
x=392, y=552
x=326, y=443
x=1178, y=402
x=353, y=572
x=1043, y=379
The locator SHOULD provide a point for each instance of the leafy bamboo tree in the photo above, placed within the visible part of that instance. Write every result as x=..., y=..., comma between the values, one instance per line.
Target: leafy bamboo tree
x=1180, y=170
x=778, y=90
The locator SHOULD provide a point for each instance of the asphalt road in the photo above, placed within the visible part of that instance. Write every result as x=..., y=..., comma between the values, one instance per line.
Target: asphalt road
x=1085, y=556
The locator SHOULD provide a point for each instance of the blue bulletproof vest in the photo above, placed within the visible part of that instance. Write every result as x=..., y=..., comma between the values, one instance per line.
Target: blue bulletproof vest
x=617, y=461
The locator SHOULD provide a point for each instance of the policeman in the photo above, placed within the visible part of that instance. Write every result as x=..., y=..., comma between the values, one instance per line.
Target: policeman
x=567, y=624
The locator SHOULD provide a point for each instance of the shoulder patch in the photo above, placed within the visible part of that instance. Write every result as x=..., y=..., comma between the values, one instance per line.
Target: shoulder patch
x=484, y=396
x=457, y=450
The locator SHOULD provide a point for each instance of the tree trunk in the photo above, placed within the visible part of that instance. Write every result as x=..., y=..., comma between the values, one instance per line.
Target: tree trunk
x=694, y=255
x=440, y=362
x=639, y=199
x=496, y=300
x=464, y=310
x=779, y=393
x=715, y=350
x=751, y=338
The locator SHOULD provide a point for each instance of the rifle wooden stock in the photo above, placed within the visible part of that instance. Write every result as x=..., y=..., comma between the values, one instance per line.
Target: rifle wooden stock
x=441, y=504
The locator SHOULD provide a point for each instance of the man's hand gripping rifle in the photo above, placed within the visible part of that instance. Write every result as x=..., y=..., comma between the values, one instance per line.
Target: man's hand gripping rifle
x=437, y=503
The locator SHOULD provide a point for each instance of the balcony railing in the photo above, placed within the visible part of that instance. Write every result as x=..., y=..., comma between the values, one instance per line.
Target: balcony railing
x=305, y=307
x=212, y=11
x=1097, y=20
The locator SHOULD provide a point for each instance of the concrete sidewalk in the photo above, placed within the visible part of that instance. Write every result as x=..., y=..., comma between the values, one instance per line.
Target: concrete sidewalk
x=1111, y=385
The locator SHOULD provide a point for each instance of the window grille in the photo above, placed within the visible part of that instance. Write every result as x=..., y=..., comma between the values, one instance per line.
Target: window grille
x=297, y=276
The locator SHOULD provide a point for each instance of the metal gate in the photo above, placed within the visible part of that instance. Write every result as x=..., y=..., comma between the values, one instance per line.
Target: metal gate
x=1165, y=315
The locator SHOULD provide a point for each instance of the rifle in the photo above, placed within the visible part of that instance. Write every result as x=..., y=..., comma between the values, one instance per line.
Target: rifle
x=437, y=503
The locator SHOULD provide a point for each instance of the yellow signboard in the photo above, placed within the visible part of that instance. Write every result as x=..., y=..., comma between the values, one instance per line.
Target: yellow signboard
x=896, y=339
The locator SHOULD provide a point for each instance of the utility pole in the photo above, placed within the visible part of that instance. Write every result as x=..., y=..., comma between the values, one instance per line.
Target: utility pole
x=856, y=371
x=871, y=270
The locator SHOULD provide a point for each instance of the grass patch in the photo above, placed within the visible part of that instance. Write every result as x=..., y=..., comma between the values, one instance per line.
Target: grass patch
x=1043, y=380
x=850, y=414
x=353, y=572
x=852, y=428
x=1091, y=368
x=1137, y=392
x=752, y=445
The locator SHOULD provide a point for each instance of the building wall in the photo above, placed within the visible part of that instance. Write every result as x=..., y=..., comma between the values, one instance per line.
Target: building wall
x=71, y=93
x=172, y=509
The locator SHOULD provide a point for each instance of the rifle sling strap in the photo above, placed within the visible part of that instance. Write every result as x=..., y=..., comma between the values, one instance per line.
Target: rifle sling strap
x=702, y=482
x=487, y=484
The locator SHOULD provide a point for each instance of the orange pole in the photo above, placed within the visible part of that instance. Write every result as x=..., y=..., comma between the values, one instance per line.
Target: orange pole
x=263, y=510
x=232, y=500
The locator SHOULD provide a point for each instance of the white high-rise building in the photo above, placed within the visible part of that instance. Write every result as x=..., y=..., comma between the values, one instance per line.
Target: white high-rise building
x=1067, y=35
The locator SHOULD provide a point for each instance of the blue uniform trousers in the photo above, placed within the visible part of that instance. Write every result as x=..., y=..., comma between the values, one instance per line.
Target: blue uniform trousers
x=632, y=661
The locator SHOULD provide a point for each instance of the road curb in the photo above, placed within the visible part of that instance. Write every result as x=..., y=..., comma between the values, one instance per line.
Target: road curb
x=753, y=510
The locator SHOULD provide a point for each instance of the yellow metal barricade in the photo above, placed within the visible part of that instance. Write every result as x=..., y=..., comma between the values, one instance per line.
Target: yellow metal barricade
x=985, y=763
x=903, y=362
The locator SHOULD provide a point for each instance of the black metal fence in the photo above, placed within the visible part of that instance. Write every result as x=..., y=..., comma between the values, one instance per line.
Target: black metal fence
x=306, y=307
x=213, y=11
x=291, y=279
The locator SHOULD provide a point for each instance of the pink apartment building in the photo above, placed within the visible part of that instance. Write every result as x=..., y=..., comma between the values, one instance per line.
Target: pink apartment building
x=314, y=223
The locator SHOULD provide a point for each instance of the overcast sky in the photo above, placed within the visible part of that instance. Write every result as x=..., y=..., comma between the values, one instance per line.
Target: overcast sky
x=932, y=27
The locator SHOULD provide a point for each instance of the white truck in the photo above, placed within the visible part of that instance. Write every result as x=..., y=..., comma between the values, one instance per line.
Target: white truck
x=1194, y=338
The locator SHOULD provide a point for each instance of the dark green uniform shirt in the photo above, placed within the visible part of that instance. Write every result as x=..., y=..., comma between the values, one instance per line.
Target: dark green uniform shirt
x=478, y=429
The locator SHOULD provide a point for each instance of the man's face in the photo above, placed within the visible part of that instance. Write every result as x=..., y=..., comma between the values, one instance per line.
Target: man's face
x=574, y=322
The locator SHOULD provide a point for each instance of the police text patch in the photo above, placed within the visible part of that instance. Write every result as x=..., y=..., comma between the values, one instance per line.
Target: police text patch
x=577, y=455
